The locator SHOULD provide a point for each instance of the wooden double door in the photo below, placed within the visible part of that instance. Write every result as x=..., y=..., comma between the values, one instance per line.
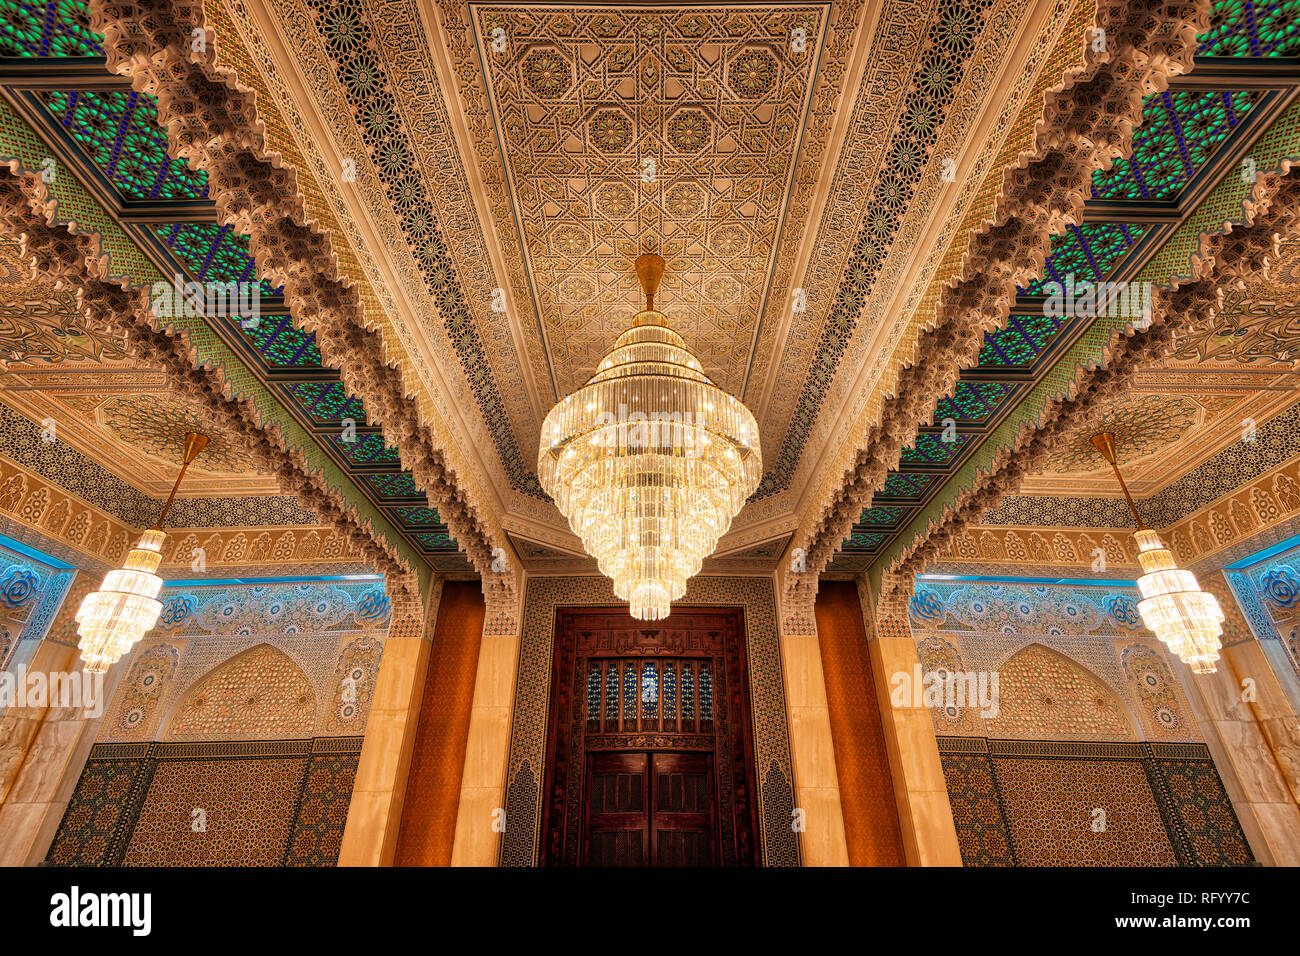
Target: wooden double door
x=649, y=750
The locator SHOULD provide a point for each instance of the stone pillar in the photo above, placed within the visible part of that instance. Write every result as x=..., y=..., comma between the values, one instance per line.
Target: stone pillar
x=480, y=815
x=1253, y=732
x=43, y=748
x=375, y=813
x=812, y=748
x=924, y=813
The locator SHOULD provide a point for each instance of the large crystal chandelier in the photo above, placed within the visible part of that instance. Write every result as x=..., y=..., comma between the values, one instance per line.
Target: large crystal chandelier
x=1185, y=618
x=111, y=620
x=649, y=460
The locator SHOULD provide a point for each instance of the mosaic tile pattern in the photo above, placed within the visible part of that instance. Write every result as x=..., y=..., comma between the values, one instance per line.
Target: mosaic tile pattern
x=101, y=812
x=317, y=832
x=982, y=828
x=260, y=695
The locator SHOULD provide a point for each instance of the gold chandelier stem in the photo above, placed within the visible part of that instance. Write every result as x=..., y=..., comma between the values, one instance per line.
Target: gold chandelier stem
x=1104, y=442
x=195, y=442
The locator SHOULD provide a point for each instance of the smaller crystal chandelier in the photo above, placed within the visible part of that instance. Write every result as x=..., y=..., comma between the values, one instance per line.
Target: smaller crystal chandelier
x=1185, y=618
x=111, y=620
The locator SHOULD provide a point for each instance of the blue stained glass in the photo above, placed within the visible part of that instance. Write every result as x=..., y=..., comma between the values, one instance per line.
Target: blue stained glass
x=706, y=693
x=670, y=691
x=54, y=28
x=611, y=693
x=213, y=253
x=649, y=690
x=629, y=694
x=593, y=692
x=688, y=694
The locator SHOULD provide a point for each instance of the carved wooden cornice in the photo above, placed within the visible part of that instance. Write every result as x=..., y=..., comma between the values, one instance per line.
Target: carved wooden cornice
x=1225, y=258
x=1088, y=123
x=68, y=258
x=167, y=50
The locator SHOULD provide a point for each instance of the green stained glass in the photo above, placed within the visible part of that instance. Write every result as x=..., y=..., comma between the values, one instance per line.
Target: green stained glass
x=213, y=253
x=1020, y=343
x=1243, y=28
x=435, y=541
x=397, y=485
x=416, y=515
x=907, y=485
x=366, y=449
x=327, y=403
x=54, y=29
x=931, y=449
x=278, y=342
x=863, y=540
x=1180, y=131
x=1087, y=253
x=119, y=133
x=972, y=403
x=882, y=516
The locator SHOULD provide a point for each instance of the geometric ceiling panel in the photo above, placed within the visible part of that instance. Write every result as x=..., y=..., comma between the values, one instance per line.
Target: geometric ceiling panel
x=973, y=403
x=1247, y=28
x=53, y=28
x=327, y=403
x=212, y=253
x=279, y=343
x=1020, y=343
x=120, y=134
x=1086, y=253
x=932, y=449
x=1180, y=130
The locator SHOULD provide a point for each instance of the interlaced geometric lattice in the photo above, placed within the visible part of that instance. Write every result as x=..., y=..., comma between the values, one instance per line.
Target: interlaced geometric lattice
x=279, y=343
x=973, y=403
x=399, y=485
x=1180, y=131
x=1243, y=28
x=365, y=449
x=882, y=516
x=417, y=515
x=213, y=253
x=327, y=403
x=932, y=449
x=1086, y=253
x=1021, y=342
x=119, y=133
x=907, y=485
x=55, y=28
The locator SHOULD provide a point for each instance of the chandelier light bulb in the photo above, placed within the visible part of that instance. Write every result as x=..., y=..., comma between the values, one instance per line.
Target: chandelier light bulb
x=649, y=460
x=112, y=620
x=1186, y=619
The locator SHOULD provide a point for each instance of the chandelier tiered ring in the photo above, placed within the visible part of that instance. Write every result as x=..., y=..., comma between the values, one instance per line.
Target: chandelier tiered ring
x=649, y=460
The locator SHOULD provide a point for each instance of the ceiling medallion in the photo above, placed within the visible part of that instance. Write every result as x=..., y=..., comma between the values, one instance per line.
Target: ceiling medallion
x=649, y=460
x=1185, y=618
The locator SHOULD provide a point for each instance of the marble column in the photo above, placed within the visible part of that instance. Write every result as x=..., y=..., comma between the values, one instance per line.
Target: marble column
x=924, y=813
x=812, y=748
x=1251, y=727
x=375, y=813
x=480, y=817
x=43, y=748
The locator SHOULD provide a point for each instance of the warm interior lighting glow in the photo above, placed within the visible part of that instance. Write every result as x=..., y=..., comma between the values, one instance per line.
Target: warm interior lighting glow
x=1186, y=619
x=111, y=620
x=649, y=460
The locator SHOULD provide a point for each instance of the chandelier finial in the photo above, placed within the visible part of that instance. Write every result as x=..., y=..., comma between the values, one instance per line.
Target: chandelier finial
x=649, y=269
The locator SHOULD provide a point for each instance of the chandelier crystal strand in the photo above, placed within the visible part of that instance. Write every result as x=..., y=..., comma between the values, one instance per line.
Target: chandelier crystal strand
x=649, y=460
x=1186, y=619
x=111, y=620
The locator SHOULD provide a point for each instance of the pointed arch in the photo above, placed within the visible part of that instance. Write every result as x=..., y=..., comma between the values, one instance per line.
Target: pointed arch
x=259, y=694
x=1045, y=695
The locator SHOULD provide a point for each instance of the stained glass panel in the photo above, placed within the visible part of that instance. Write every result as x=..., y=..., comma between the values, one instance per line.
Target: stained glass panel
x=327, y=403
x=593, y=692
x=670, y=691
x=611, y=692
x=882, y=516
x=365, y=449
x=398, y=485
x=1086, y=253
x=649, y=690
x=932, y=449
x=1180, y=131
x=1243, y=28
x=119, y=132
x=435, y=541
x=416, y=514
x=973, y=403
x=212, y=253
x=706, y=692
x=279, y=343
x=630, y=683
x=1021, y=342
x=906, y=485
x=55, y=28
x=688, y=693
x=863, y=540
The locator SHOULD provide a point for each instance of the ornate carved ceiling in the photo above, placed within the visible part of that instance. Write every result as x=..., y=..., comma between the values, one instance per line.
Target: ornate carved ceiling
x=504, y=163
